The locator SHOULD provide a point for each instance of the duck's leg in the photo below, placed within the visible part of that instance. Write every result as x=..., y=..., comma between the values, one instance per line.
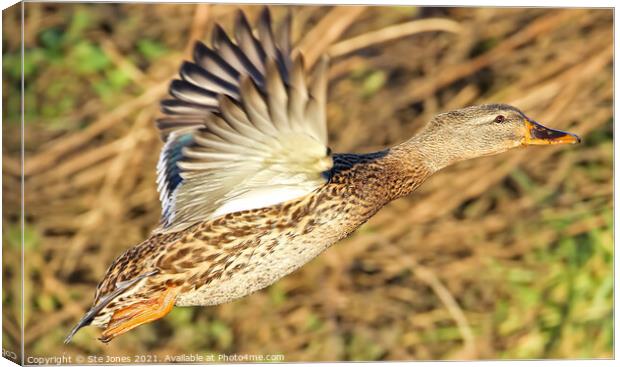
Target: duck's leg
x=139, y=313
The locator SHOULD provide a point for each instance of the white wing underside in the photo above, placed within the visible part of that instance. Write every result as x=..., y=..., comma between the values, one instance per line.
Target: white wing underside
x=243, y=131
x=261, y=198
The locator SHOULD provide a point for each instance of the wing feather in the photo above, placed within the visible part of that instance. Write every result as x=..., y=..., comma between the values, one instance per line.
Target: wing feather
x=233, y=55
x=318, y=89
x=265, y=34
x=277, y=97
x=284, y=36
x=198, y=76
x=208, y=59
x=248, y=43
x=268, y=42
x=179, y=107
x=189, y=92
x=255, y=107
x=243, y=129
x=298, y=97
x=238, y=119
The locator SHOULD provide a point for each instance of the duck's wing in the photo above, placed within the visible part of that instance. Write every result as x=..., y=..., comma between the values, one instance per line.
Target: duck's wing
x=243, y=129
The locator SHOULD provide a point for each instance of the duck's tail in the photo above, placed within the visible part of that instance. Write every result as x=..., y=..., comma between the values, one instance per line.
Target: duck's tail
x=105, y=300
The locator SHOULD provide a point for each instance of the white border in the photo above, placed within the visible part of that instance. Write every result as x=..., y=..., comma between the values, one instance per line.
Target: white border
x=478, y=3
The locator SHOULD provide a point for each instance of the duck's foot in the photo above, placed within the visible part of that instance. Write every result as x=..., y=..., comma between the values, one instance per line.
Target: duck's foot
x=139, y=313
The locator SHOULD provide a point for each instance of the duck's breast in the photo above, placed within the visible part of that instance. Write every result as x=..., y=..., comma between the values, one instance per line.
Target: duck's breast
x=253, y=249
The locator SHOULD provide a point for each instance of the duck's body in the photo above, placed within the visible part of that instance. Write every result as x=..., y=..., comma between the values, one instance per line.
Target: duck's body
x=265, y=244
x=250, y=192
x=220, y=260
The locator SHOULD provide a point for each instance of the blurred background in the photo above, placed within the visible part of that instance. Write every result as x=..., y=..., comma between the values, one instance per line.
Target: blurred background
x=497, y=258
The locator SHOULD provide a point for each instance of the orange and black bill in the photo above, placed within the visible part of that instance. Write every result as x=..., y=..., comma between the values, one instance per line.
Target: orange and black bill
x=537, y=134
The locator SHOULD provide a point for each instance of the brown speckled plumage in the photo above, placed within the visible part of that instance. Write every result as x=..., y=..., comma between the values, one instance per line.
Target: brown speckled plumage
x=250, y=191
x=212, y=253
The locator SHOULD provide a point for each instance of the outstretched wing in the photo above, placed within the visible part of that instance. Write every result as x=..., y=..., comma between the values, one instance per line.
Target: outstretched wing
x=243, y=130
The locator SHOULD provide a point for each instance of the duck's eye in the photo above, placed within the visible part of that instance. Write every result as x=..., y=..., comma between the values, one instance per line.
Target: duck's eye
x=499, y=119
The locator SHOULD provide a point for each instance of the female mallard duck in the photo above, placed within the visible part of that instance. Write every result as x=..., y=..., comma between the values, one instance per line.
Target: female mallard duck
x=250, y=192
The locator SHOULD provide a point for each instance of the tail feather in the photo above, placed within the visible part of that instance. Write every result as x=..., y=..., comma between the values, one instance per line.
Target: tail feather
x=94, y=311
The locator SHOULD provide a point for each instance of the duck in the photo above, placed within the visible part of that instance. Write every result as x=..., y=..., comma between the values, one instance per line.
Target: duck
x=249, y=188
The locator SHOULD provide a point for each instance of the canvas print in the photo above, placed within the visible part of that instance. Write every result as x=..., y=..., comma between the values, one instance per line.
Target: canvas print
x=204, y=183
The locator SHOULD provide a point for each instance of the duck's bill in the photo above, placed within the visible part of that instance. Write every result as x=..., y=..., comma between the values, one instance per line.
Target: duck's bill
x=537, y=134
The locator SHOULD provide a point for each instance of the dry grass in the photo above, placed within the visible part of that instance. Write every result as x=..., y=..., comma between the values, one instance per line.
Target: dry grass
x=502, y=257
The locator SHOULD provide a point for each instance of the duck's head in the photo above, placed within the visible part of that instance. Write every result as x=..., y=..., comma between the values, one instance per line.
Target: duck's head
x=484, y=130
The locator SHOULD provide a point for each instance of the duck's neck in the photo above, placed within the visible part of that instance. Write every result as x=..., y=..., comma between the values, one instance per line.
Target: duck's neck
x=427, y=148
x=383, y=176
x=406, y=168
x=409, y=164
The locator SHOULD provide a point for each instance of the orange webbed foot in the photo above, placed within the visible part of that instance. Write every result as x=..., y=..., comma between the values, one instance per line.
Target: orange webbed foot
x=139, y=313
